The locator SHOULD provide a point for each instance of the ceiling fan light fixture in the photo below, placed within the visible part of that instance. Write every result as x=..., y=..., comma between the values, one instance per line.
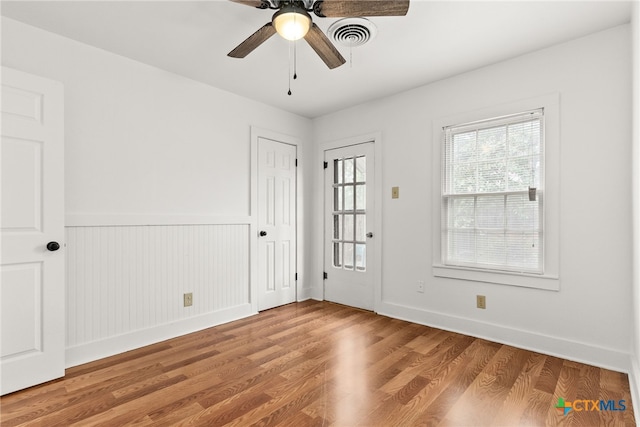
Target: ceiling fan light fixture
x=292, y=22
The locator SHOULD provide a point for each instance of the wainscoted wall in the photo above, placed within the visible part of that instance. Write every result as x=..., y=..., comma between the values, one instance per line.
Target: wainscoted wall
x=125, y=284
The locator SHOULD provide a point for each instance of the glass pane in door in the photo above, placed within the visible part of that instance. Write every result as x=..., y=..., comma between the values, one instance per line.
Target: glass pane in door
x=348, y=256
x=337, y=254
x=348, y=197
x=348, y=170
x=361, y=225
x=348, y=227
x=361, y=256
x=361, y=169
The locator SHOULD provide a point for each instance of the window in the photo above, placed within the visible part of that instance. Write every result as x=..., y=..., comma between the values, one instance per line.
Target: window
x=485, y=225
x=492, y=197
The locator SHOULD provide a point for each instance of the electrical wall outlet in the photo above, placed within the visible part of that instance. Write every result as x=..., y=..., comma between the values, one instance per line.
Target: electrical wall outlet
x=188, y=299
x=420, y=287
x=481, y=301
x=395, y=192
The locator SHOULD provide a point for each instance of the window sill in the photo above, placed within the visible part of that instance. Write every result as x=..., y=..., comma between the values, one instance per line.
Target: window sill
x=546, y=282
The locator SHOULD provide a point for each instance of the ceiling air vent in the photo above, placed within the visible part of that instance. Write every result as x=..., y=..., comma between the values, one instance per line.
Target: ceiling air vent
x=352, y=32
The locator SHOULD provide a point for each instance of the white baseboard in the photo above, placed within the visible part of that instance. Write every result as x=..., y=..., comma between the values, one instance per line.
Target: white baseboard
x=553, y=346
x=634, y=383
x=95, y=350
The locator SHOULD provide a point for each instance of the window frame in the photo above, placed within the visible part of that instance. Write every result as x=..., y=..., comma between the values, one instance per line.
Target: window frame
x=549, y=278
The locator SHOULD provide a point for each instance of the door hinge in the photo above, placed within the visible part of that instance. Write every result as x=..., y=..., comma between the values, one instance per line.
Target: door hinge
x=296, y=277
x=326, y=165
x=325, y=276
x=296, y=162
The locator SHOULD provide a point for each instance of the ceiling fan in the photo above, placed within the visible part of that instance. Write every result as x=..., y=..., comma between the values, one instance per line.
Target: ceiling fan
x=293, y=22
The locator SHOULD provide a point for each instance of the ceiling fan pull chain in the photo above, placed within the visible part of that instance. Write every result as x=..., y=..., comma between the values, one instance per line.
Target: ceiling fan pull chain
x=295, y=59
x=289, y=69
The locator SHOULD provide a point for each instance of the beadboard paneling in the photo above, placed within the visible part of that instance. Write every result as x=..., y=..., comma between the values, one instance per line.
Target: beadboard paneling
x=122, y=279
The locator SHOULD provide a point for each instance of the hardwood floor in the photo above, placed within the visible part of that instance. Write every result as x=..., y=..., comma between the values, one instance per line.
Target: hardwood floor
x=321, y=364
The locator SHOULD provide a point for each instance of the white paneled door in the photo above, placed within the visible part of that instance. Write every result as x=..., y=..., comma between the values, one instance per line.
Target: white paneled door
x=349, y=224
x=276, y=223
x=32, y=292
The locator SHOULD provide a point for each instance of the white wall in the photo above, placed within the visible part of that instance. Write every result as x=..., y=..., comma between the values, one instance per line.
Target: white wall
x=588, y=319
x=634, y=376
x=141, y=140
x=145, y=147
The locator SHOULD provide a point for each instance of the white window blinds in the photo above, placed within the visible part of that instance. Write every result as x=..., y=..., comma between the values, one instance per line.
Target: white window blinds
x=492, y=194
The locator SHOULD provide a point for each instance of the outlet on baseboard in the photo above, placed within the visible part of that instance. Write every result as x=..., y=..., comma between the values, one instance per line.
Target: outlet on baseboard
x=481, y=301
x=188, y=299
x=420, y=286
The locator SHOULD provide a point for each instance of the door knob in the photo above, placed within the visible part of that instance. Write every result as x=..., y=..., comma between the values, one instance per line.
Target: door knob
x=263, y=233
x=369, y=234
x=53, y=246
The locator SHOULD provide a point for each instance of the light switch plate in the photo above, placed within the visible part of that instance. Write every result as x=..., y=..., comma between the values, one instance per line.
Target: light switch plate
x=395, y=192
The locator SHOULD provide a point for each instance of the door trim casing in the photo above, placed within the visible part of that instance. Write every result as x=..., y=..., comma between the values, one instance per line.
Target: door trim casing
x=256, y=134
x=319, y=203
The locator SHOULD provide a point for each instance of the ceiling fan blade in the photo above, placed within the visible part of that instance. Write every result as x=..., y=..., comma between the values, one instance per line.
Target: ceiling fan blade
x=253, y=41
x=323, y=47
x=260, y=4
x=356, y=8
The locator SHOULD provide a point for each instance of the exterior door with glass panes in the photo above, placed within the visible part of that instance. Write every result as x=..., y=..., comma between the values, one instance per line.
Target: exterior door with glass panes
x=349, y=225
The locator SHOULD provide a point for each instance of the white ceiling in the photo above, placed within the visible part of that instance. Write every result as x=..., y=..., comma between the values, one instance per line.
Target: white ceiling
x=436, y=39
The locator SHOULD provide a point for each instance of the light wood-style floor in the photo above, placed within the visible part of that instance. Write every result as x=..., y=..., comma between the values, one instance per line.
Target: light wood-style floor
x=321, y=364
